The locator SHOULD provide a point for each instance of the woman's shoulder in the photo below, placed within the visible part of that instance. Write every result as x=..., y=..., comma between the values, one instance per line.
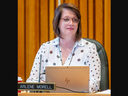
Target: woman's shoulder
x=85, y=42
x=50, y=43
x=89, y=44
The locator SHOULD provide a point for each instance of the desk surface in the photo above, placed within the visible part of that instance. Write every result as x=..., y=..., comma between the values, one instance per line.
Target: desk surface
x=62, y=94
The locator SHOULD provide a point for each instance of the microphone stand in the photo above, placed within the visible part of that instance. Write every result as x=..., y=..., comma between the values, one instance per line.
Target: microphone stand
x=40, y=67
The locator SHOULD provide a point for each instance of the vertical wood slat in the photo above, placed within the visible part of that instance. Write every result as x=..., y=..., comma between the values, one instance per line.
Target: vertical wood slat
x=61, y=1
x=56, y=3
x=90, y=18
x=51, y=15
x=107, y=34
x=83, y=11
x=99, y=21
x=32, y=33
x=43, y=21
x=21, y=41
x=75, y=2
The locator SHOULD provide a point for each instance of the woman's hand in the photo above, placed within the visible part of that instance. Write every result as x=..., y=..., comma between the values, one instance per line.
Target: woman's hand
x=42, y=81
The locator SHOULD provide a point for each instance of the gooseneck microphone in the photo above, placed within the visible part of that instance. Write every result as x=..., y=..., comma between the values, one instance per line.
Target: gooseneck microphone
x=40, y=67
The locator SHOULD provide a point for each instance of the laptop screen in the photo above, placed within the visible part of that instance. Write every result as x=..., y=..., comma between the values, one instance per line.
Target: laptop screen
x=68, y=79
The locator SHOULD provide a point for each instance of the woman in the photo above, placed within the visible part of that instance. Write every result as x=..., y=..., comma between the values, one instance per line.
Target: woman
x=68, y=49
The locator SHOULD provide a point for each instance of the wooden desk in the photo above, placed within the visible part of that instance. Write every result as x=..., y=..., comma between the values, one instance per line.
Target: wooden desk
x=62, y=94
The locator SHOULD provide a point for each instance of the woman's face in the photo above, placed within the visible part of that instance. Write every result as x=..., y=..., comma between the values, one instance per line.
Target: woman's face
x=68, y=24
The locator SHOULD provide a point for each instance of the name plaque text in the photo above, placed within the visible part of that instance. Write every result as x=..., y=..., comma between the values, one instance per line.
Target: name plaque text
x=36, y=86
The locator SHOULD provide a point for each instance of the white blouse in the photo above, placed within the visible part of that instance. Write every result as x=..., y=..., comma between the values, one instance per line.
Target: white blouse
x=83, y=53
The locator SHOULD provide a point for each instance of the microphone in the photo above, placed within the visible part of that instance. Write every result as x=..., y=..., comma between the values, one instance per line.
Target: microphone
x=40, y=67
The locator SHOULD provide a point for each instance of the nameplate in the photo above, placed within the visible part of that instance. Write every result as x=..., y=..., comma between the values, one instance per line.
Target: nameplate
x=36, y=86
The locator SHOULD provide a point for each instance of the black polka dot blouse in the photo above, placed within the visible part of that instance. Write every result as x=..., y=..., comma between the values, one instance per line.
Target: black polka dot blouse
x=84, y=53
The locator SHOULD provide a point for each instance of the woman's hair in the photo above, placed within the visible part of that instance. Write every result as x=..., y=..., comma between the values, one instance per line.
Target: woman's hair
x=57, y=16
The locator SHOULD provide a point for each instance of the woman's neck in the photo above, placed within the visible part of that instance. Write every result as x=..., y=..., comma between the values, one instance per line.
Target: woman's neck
x=67, y=43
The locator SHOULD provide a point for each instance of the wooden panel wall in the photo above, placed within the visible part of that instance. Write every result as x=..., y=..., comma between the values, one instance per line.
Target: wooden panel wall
x=35, y=27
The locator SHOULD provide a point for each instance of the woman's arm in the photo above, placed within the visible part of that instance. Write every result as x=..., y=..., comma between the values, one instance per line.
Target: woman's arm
x=93, y=61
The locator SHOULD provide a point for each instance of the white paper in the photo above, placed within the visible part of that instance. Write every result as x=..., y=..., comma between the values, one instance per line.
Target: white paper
x=108, y=91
